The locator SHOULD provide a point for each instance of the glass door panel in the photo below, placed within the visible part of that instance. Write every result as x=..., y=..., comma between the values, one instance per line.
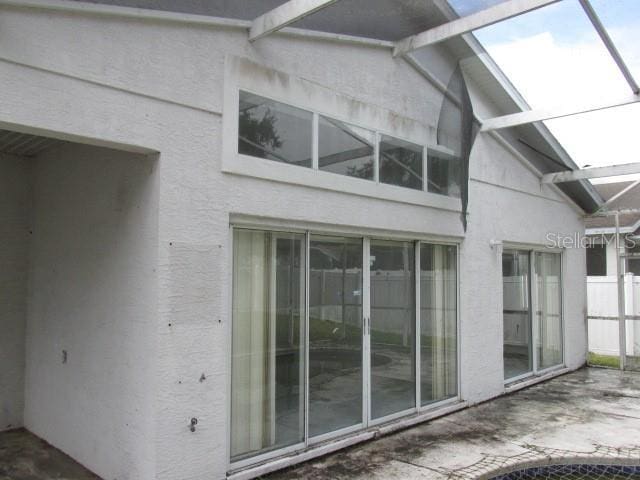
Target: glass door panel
x=335, y=334
x=392, y=329
x=267, y=360
x=438, y=323
x=516, y=314
x=548, y=309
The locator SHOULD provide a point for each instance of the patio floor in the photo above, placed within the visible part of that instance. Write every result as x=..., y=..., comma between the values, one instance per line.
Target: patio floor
x=588, y=416
x=592, y=415
x=23, y=456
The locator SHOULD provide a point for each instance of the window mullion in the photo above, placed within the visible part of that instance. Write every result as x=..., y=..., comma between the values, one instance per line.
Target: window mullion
x=418, y=358
x=376, y=159
x=366, y=322
x=314, y=141
x=306, y=339
x=425, y=176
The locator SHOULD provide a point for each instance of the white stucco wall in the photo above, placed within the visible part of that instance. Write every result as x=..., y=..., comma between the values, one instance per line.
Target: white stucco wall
x=14, y=232
x=160, y=85
x=92, y=296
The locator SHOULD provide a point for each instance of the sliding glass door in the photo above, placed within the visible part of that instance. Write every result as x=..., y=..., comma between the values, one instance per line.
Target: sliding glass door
x=332, y=334
x=548, y=293
x=393, y=327
x=532, y=312
x=267, y=364
x=438, y=323
x=335, y=334
x=517, y=352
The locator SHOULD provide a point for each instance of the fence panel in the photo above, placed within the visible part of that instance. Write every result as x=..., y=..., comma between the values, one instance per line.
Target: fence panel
x=602, y=303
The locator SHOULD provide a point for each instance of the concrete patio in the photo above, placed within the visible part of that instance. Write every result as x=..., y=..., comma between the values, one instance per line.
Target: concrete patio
x=592, y=415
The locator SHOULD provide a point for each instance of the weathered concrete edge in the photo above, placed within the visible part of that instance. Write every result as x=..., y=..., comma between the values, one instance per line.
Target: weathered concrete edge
x=331, y=446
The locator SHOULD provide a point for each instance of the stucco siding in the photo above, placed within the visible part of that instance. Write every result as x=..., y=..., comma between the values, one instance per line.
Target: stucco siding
x=91, y=329
x=161, y=86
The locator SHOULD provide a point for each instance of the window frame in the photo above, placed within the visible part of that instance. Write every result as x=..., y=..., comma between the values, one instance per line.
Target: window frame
x=316, y=147
x=313, y=137
x=368, y=422
x=312, y=97
x=531, y=251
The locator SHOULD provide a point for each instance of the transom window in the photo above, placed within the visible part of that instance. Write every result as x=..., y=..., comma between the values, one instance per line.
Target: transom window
x=282, y=133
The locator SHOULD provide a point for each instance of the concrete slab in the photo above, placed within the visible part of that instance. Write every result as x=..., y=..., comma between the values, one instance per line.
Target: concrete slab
x=23, y=456
x=591, y=415
x=585, y=416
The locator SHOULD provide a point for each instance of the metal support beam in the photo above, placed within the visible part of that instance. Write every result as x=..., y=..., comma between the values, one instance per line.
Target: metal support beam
x=285, y=14
x=531, y=116
x=596, y=172
x=620, y=194
x=609, y=213
x=622, y=321
x=606, y=39
x=483, y=18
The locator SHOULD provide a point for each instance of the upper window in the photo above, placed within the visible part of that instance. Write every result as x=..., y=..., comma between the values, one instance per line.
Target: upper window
x=444, y=174
x=345, y=149
x=400, y=163
x=275, y=131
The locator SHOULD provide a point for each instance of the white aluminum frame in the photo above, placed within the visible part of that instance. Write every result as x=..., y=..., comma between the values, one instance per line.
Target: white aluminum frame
x=489, y=16
x=608, y=43
x=307, y=96
x=532, y=116
x=531, y=251
x=284, y=15
x=367, y=422
x=297, y=176
x=594, y=172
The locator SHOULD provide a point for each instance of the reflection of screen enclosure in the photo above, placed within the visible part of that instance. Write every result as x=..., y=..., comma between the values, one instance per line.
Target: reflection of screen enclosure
x=345, y=149
x=273, y=130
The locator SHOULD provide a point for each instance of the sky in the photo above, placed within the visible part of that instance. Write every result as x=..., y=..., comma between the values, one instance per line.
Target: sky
x=554, y=57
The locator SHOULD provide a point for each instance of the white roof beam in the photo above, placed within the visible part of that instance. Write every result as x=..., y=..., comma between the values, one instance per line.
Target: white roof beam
x=596, y=172
x=606, y=39
x=285, y=14
x=608, y=213
x=460, y=26
x=531, y=116
x=621, y=193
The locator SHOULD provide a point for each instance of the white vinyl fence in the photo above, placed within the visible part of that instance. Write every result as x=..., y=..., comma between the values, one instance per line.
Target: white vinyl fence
x=602, y=301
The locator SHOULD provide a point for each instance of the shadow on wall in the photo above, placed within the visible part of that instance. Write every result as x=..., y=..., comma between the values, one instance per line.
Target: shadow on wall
x=90, y=305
